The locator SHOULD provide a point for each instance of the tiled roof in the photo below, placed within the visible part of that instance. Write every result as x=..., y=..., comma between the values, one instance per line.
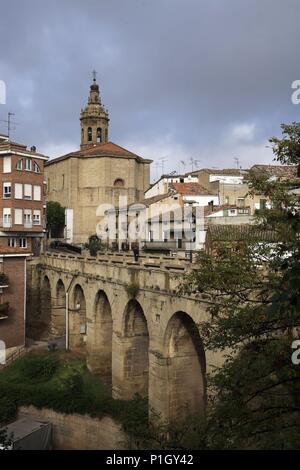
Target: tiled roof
x=220, y=171
x=152, y=200
x=191, y=189
x=253, y=233
x=280, y=171
x=104, y=149
x=208, y=210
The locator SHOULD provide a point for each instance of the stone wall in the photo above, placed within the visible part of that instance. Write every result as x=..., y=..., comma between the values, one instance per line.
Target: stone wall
x=79, y=432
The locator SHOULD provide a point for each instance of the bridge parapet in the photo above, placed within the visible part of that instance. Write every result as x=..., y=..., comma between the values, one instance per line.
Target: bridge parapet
x=122, y=269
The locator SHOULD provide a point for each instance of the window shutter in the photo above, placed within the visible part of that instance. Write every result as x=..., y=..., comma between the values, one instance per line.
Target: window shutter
x=18, y=216
x=18, y=191
x=37, y=193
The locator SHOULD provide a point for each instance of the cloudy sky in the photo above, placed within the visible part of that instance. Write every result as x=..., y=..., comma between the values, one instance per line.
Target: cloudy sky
x=208, y=80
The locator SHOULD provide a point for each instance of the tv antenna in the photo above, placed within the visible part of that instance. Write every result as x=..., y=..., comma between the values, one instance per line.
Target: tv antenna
x=9, y=122
x=237, y=162
x=194, y=162
x=162, y=161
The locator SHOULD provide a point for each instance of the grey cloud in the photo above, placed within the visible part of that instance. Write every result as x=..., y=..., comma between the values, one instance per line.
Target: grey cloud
x=186, y=69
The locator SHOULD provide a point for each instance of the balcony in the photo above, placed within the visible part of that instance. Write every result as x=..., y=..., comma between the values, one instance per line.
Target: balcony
x=27, y=224
x=5, y=223
x=4, y=310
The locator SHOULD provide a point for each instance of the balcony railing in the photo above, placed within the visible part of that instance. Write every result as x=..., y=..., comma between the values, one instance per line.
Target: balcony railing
x=5, y=223
x=27, y=224
x=4, y=310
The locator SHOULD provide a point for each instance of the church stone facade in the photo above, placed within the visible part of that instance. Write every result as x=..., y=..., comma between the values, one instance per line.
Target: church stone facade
x=99, y=173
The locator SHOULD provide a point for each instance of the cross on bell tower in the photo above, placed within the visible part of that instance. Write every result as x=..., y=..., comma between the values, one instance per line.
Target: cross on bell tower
x=94, y=118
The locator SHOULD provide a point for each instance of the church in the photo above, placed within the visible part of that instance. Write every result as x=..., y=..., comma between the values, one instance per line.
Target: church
x=98, y=173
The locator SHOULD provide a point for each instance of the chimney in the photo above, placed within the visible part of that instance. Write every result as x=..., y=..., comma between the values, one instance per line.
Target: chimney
x=211, y=206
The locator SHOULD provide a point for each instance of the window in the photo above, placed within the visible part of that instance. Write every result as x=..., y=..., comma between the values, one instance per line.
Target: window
x=18, y=191
x=6, y=190
x=119, y=183
x=262, y=204
x=12, y=242
x=226, y=199
x=36, y=168
x=6, y=217
x=23, y=242
x=27, y=191
x=27, y=218
x=19, y=164
x=36, y=193
x=36, y=217
x=27, y=164
x=90, y=134
x=7, y=165
x=241, y=202
x=99, y=135
x=18, y=216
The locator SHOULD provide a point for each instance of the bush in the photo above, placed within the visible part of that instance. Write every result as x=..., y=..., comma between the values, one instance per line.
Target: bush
x=39, y=368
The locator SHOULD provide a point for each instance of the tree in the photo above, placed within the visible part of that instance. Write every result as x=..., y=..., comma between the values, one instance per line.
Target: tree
x=5, y=440
x=253, y=296
x=55, y=219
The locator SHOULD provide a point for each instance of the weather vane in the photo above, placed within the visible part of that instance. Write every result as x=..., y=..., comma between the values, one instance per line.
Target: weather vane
x=94, y=75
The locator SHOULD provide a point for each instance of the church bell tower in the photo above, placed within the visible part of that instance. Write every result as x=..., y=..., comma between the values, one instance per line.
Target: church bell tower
x=94, y=119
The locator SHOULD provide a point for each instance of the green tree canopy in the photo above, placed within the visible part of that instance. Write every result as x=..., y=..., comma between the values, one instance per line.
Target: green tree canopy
x=253, y=295
x=55, y=219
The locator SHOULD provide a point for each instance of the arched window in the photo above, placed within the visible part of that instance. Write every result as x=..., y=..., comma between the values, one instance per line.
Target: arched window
x=90, y=134
x=82, y=134
x=99, y=135
x=119, y=183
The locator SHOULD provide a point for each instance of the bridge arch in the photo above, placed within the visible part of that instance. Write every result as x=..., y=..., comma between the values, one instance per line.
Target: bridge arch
x=99, y=338
x=131, y=374
x=59, y=310
x=77, y=318
x=186, y=368
x=44, y=324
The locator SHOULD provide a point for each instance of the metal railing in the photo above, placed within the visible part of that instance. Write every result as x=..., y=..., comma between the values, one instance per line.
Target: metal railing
x=13, y=357
x=5, y=223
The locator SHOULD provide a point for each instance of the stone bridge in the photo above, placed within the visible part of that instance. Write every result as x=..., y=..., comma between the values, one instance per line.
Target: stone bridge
x=136, y=332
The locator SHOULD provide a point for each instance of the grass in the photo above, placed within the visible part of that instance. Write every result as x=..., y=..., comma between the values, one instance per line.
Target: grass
x=60, y=381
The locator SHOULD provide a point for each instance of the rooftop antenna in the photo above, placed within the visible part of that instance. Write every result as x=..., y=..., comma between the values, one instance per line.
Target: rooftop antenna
x=157, y=165
x=193, y=162
x=237, y=162
x=9, y=122
x=162, y=160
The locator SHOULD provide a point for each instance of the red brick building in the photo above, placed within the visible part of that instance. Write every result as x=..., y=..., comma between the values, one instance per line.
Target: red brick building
x=22, y=228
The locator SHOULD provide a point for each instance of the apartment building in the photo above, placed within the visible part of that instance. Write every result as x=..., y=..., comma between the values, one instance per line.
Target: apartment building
x=22, y=221
x=22, y=197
